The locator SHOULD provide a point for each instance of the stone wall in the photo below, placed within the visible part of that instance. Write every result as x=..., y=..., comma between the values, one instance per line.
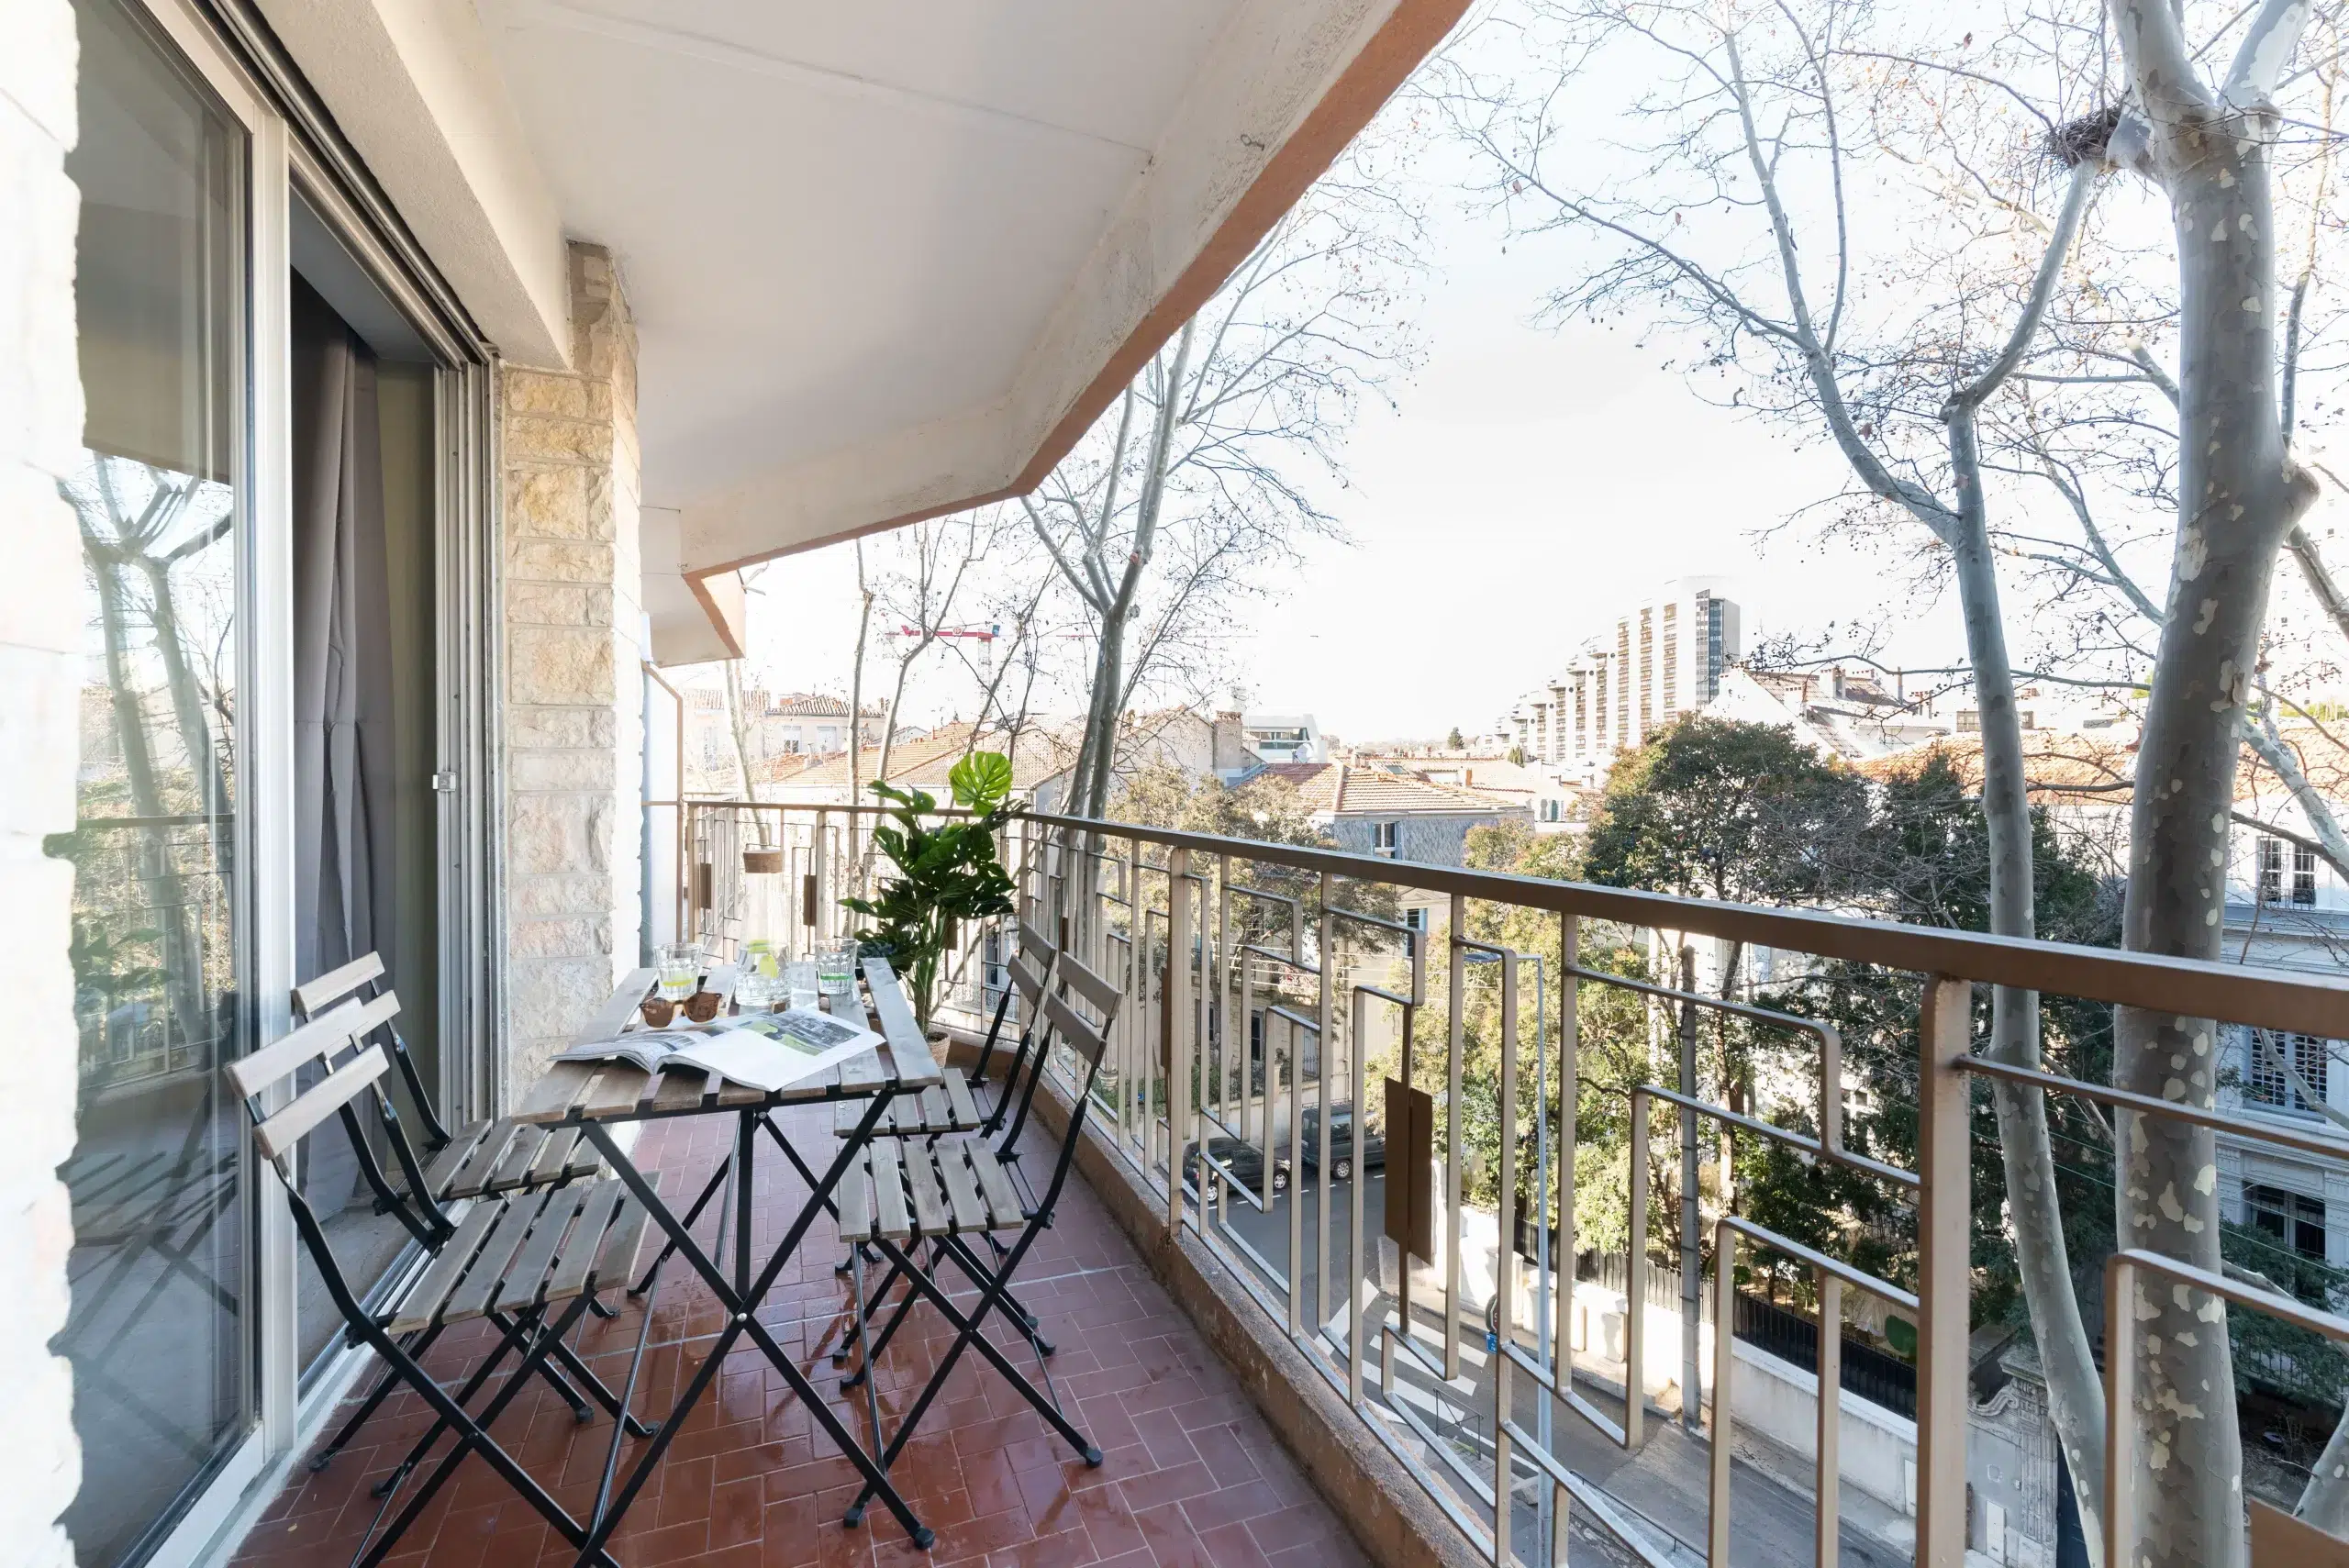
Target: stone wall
x=40, y=639
x=572, y=719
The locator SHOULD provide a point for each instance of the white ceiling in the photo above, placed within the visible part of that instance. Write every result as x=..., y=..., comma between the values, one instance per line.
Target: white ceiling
x=839, y=222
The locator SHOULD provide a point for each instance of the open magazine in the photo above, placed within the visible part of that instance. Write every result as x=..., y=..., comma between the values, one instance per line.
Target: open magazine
x=764, y=1051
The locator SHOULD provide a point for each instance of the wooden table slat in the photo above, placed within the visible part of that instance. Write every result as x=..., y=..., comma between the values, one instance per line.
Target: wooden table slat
x=619, y=1010
x=909, y=1052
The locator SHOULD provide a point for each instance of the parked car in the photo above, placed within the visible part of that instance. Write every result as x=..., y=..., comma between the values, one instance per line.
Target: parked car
x=1242, y=1158
x=1342, y=1144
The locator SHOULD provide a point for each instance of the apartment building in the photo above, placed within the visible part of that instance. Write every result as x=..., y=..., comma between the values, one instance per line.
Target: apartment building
x=1660, y=660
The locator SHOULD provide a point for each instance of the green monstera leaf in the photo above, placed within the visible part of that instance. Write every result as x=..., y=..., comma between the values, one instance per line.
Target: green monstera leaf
x=981, y=780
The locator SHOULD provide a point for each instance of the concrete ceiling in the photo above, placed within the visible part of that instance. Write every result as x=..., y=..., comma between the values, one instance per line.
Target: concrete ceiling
x=886, y=257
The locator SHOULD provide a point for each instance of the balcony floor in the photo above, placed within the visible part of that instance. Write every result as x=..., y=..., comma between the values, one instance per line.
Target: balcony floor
x=1191, y=1474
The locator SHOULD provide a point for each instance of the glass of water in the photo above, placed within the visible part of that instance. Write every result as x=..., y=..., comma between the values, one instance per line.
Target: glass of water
x=836, y=969
x=761, y=976
x=680, y=970
x=799, y=982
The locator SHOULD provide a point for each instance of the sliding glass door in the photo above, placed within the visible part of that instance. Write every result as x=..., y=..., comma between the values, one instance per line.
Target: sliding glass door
x=157, y=1332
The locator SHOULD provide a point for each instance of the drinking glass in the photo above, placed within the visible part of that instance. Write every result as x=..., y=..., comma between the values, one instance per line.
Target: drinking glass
x=836, y=969
x=799, y=982
x=680, y=970
x=760, y=978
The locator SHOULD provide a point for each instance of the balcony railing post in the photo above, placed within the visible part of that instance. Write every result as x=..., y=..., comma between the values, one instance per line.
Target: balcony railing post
x=1178, y=1020
x=1692, y=1290
x=1324, y=961
x=1561, y=1265
x=1635, y=1284
x=1831, y=1417
x=1945, y=1218
x=1505, y=1266
x=1456, y=1006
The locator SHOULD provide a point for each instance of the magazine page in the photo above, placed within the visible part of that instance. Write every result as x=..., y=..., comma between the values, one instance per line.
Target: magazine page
x=773, y=1051
x=647, y=1049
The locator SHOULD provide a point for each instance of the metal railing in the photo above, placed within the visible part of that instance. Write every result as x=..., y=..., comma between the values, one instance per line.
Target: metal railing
x=1261, y=981
x=1192, y=925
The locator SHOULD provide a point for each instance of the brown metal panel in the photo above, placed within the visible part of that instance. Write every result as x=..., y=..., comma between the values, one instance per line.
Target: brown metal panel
x=1410, y=1201
x=2280, y=1540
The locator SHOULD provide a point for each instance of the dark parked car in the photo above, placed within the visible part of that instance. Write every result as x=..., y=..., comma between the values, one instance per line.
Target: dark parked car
x=1342, y=1144
x=1243, y=1159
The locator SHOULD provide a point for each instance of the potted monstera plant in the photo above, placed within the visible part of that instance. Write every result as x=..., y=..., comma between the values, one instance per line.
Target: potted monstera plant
x=945, y=871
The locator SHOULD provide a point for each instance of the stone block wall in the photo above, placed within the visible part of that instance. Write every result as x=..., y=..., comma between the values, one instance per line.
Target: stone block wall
x=573, y=712
x=40, y=680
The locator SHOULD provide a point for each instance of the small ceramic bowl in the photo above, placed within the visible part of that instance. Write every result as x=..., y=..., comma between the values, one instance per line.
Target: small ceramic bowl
x=657, y=1011
x=702, y=1005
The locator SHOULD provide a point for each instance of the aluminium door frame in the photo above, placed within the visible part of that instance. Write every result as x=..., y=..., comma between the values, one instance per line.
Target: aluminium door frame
x=295, y=146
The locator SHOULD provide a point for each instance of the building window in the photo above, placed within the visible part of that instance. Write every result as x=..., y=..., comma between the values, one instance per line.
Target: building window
x=1671, y=659
x=2290, y=1220
x=1969, y=721
x=2286, y=872
x=1385, y=837
x=1416, y=916
x=2266, y=1075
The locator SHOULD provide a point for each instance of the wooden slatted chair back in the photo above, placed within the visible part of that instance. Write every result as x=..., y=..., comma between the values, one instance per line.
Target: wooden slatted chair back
x=364, y=976
x=357, y=995
x=1075, y=989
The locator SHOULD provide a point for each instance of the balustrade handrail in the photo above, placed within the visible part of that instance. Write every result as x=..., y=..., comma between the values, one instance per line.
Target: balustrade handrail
x=2273, y=998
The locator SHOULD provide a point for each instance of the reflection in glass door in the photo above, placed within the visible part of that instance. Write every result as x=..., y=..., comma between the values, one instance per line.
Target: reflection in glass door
x=159, y=1265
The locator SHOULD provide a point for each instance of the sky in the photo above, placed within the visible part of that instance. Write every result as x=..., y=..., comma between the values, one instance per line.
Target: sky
x=1529, y=484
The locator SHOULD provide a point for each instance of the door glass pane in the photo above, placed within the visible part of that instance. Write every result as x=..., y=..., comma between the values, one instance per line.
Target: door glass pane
x=158, y=1267
x=365, y=841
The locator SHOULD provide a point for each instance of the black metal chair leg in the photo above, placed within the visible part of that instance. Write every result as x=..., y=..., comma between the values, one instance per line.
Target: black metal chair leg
x=888, y=1331
x=967, y=1335
x=475, y=1435
x=512, y=1339
x=375, y=1397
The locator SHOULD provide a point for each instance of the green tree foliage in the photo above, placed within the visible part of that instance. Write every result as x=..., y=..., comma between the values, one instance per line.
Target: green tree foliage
x=1720, y=809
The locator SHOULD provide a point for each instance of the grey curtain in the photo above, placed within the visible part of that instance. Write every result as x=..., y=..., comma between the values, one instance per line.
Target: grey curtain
x=342, y=707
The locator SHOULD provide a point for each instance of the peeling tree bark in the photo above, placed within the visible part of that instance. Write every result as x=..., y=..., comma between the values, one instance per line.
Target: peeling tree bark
x=2238, y=497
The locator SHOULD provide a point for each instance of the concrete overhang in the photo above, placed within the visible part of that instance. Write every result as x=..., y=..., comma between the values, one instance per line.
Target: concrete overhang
x=886, y=261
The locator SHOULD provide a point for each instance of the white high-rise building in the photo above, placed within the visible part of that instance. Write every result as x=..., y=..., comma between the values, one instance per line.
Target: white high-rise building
x=1660, y=659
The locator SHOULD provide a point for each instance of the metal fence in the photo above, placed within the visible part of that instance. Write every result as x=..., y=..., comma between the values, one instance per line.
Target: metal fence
x=1261, y=981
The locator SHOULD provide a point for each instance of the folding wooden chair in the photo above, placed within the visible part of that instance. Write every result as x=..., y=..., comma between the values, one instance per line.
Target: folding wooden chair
x=944, y=1190
x=529, y=1264
x=492, y=1155
x=948, y=1108
x=431, y=1204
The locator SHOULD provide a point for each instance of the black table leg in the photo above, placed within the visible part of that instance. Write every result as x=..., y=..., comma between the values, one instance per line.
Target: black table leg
x=742, y=1303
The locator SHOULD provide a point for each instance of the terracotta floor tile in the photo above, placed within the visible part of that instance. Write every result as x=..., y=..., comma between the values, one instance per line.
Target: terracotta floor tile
x=1190, y=1472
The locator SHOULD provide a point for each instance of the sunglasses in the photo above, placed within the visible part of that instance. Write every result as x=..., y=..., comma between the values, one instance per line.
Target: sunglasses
x=700, y=1007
